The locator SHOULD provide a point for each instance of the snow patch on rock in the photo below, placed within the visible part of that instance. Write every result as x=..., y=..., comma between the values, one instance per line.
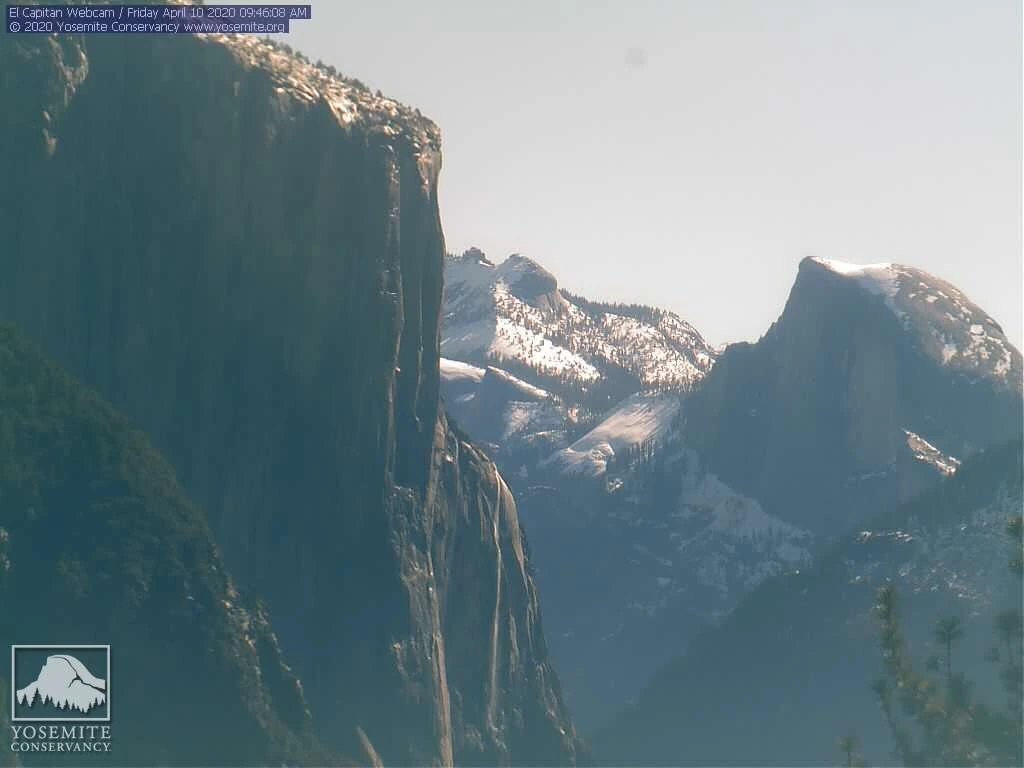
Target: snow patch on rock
x=929, y=454
x=951, y=329
x=453, y=370
x=638, y=419
x=514, y=311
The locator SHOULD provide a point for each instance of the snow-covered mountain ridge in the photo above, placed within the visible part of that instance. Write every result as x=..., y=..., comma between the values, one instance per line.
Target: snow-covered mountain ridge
x=654, y=513
x=513, y=313
x=950, y=327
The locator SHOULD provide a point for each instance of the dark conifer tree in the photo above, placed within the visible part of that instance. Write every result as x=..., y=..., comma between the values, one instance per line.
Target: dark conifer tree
x=935, y=727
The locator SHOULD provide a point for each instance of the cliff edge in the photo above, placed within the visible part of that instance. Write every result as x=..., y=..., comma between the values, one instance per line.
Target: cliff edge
x=243, y=253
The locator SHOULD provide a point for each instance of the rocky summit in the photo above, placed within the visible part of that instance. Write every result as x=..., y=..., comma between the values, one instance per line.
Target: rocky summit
x=514, y=315
x=870, y=382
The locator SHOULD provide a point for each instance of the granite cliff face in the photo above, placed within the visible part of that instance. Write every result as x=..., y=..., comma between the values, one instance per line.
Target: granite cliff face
x=490, y=616
x=873, y=383
x=244, y=255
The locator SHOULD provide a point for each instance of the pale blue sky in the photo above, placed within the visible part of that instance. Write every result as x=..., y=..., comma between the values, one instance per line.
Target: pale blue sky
x=688, y=153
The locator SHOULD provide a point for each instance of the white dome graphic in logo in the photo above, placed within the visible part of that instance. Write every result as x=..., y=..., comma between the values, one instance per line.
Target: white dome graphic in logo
x=59, y=683
x=66, y=683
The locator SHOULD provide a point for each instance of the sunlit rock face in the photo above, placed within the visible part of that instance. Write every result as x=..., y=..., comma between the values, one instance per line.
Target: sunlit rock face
x=244, y=254
x=822, y=420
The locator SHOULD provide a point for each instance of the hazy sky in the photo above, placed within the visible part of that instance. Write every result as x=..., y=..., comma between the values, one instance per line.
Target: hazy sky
x=688, y=153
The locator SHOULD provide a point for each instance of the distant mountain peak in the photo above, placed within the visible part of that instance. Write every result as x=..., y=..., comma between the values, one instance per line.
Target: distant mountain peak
x=949, y=327
x=879, y=372
x=476, y=276
x=880, y=279
x=846, y=268
x=513, y=313
x=472, y=255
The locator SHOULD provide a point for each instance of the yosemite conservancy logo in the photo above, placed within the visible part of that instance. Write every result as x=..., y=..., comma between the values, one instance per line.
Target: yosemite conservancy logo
x=66, y=684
